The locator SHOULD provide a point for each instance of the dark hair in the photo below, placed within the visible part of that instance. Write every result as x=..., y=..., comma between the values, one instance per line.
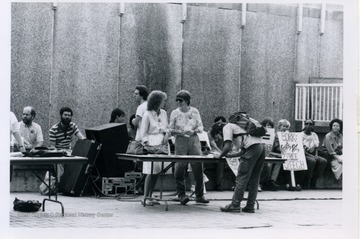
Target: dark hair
x=312, y=122
x=216, y=128
x=116, y=112
x=222, y=118
x=143, y=91
x=267, y=121
x=184, y=95
x=67, y=109
x=130, y=121
x=339, y=121
x=155, y=99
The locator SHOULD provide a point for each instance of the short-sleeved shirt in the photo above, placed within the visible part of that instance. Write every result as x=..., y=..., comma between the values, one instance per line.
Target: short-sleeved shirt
x=31, y=134
x=180, y=120
x=310, y=141
x=239, y=142
x=62, y=137
x=141, y=109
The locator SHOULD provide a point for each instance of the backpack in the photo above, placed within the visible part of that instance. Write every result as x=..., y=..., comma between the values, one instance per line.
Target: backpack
x=26, y=206
x=250, y=125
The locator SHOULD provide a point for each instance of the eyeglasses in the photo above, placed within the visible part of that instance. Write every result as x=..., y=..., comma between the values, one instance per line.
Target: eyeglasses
x=179, y=100
x=308, y=124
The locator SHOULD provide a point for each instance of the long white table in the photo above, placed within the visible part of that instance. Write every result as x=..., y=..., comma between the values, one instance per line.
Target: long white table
x=178, y=158
x=52, y=163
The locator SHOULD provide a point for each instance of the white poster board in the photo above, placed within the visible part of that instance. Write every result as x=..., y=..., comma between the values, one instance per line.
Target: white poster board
x=292, y=150
x=268, y=139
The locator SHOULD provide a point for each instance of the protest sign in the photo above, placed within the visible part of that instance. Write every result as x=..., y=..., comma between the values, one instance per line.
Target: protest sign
x=268, y=140
x=292, y=150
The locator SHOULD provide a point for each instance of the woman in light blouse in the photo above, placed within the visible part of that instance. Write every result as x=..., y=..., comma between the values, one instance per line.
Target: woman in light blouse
x=334, y=142
x=153, y=131
x=185, y=123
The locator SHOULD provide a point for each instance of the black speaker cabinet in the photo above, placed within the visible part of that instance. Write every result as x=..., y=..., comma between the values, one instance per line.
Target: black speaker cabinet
x=76, y=176
x=113, y=138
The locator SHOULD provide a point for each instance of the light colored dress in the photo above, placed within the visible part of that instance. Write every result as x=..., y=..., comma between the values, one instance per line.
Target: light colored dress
x=333, y=142
x=152, y=130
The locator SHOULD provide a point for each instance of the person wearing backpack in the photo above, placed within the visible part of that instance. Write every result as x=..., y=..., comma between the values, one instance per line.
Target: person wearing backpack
x=244, y=133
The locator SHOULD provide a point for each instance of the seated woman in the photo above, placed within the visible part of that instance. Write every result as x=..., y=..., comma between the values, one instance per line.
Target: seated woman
x=314, y=162
x=283, y=126
x=274, y=168
x=153, y=131
x=333, y=143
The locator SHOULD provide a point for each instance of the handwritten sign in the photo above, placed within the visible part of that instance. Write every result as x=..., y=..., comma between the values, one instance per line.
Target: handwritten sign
x=268, y=140
x=292, y=150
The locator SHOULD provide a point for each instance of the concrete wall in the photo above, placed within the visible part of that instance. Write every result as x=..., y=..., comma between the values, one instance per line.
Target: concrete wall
x=88, y=57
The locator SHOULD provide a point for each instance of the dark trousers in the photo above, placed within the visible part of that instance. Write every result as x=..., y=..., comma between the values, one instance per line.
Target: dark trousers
x=188, y=146
x=251, y=164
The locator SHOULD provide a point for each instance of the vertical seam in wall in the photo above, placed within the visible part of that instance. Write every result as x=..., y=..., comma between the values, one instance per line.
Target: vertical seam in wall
x=52, y=63
x=295, y=71
x=183, y=21
x=239, y=81
x=319, y=51
x=182, y=55
x=119, y=60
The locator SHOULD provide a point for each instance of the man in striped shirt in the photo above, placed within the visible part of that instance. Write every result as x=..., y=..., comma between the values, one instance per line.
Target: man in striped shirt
x=61, y=134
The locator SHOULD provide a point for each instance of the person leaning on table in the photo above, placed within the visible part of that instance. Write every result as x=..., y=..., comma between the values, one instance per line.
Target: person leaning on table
x=251, y=151
x=185, y=123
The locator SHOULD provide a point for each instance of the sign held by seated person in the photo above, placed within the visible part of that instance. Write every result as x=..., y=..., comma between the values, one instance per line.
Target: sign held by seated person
x=292, y=150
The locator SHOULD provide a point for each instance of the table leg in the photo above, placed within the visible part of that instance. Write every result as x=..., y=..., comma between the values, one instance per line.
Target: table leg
x=62, y=207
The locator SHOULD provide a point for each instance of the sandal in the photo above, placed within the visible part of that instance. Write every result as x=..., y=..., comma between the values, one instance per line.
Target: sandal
x=147, y=203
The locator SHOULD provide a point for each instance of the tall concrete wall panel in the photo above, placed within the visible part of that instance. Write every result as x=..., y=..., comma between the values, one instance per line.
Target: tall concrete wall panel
x=212, y=60
x=150, y=51
x=31, y=59
x=308, y=50
x=86, y=65
x=90, y=57
x=331, y=57
x=267, y=69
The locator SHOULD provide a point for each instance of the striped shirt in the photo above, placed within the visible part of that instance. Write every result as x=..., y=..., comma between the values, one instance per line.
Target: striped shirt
x=62, y=137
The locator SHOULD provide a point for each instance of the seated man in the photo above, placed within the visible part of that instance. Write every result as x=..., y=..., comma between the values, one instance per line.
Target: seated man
x=61, y=134
x=30, y=131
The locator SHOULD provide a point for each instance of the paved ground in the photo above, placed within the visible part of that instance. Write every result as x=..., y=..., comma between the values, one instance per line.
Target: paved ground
x=279, y=210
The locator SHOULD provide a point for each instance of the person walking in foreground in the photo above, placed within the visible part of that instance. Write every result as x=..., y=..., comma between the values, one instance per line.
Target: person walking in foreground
x=252, y=156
